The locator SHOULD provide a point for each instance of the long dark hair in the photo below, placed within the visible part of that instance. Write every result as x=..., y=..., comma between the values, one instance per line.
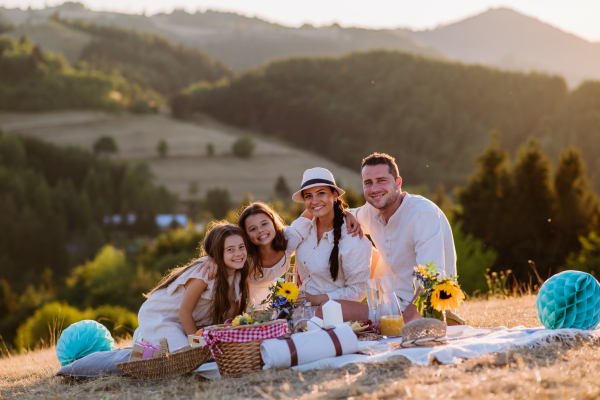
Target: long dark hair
x=214, y=246
x=338, y=221
x=279, y=243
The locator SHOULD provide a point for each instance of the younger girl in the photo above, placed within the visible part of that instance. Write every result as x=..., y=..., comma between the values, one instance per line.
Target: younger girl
x=184, y=300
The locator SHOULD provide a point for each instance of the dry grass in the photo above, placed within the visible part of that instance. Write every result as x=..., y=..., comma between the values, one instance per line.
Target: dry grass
x=138, y=135
x=556, y=371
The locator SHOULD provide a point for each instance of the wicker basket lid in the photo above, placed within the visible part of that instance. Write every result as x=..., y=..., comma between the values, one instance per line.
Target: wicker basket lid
x=423, y=328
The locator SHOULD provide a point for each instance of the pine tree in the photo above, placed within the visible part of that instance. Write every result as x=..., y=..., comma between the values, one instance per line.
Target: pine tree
x=532, y=210
x=575, y=201
x=162, y=148
x=483, y=201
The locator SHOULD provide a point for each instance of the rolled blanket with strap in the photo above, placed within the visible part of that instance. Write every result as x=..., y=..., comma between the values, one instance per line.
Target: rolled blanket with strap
x=303, y=348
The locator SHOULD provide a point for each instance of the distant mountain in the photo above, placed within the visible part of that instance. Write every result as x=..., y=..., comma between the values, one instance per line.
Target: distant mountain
x=239, y=41
x=509, y=40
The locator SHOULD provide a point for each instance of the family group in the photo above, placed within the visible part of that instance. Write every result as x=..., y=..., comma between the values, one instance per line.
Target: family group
x=333, y=257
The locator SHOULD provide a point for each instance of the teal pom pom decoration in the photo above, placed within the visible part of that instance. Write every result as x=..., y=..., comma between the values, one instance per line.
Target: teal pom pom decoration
x=83, y=338
x=570, y=299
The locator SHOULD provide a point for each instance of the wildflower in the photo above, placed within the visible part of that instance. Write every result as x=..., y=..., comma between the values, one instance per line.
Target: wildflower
x=289, y=291
x=244, y=319
x=446, y=296
x=280, y=280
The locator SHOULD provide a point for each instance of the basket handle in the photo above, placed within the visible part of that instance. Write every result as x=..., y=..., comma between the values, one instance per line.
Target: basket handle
x=164, y=347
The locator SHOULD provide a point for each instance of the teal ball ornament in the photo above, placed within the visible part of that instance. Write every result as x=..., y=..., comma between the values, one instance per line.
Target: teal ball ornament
x=570, y=299
x=81, y=339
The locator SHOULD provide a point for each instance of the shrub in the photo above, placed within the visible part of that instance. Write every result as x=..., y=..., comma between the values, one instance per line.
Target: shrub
x=218, y=202
x=210, y=149
x=473, y=259
x=105, y=144
x=118, y=320
x=46, y=324
x=244, y=146
x=162, y=148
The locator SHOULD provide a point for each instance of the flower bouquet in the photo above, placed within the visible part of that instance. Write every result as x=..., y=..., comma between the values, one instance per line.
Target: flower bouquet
x=281, y=298
x=438, y=294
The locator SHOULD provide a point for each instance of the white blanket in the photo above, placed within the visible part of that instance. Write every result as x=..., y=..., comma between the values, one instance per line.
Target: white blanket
x=463, y=347
x=310, y=347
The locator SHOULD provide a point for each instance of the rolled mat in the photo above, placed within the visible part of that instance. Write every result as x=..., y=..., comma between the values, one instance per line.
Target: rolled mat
x=309, y=346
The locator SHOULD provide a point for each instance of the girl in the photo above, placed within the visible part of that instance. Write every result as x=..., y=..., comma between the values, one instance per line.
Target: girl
x=184, y=300
x=332, y=264
x=270, y=246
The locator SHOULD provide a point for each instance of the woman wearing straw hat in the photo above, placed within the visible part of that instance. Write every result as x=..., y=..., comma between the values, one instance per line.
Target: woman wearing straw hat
x=332, y=264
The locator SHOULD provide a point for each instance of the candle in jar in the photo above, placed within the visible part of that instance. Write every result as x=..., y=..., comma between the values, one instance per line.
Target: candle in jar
x=332, y=313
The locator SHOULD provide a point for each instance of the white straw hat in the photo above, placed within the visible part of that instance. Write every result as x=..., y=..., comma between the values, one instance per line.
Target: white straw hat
x=315, y=177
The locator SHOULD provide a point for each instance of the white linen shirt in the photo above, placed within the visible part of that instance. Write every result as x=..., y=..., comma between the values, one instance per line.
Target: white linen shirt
x=312, y=261
x=417, y=233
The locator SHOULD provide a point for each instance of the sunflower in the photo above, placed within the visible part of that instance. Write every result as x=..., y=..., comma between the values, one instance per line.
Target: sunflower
x=289, y=290
x=446, y=296
x=243, y=319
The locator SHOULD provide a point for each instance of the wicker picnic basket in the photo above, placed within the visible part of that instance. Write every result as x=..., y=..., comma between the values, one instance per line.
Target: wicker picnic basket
x=235, y=358
x=168, y=364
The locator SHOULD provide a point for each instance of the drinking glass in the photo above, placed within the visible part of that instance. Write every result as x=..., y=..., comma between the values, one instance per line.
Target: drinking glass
x=372, y=287
x=390, y=313
x=291, y=277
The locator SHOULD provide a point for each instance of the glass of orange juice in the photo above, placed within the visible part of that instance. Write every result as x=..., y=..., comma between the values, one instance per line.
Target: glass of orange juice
x=390, y=313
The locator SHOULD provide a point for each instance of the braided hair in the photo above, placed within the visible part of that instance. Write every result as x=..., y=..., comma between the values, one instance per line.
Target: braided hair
x=338, y=221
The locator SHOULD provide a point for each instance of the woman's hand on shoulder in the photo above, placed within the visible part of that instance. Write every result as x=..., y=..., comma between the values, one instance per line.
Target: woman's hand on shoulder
x=353, y=226
x=208, y=269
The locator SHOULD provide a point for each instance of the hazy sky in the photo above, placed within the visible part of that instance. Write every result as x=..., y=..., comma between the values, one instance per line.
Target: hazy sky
x=580, y=17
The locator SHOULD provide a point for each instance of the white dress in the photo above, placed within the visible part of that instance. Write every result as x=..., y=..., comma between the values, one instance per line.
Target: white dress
x=159, y=315
x=312, y=260
x=258, y=285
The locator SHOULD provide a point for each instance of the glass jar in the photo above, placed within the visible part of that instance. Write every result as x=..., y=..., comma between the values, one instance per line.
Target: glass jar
x=390, y=313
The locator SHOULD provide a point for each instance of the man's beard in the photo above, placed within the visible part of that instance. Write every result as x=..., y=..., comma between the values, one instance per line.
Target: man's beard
x=391, y=200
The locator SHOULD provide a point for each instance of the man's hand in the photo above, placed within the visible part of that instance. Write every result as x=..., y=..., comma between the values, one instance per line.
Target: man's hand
x=208, y=269
x=353, y=226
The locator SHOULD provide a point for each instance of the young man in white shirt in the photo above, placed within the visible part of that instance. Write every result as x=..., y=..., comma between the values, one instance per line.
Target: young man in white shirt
x=408, y=230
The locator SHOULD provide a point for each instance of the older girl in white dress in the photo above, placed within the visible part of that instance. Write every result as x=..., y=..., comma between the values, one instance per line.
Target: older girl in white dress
x=184, y=300
x=332, y=264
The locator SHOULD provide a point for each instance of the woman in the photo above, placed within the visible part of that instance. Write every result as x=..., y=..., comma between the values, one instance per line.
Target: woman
x=332, y=265
x=270, y=246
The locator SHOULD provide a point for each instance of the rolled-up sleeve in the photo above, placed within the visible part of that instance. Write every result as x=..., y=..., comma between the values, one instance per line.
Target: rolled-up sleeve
x=429, y=241
x=356, y=264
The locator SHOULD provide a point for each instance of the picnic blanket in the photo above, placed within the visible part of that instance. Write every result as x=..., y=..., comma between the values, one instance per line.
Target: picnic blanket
x=470, y=343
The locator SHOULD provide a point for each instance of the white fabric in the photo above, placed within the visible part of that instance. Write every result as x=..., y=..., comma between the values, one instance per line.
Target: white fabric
x=159, y=315
x=312, y=261
x=258, y=285
x=310, y=346
x=453, y=353
x=417, y=233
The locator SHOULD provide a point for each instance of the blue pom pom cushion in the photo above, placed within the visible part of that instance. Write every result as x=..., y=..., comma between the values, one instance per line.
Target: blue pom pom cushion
x=83, y=338
x=570, y=299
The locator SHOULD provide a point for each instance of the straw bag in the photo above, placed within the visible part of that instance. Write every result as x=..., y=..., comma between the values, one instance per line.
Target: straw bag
x=168, y=364
x=237, y=349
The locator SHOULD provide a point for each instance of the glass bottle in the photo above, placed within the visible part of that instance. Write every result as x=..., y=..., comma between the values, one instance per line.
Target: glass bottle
x=390, y=313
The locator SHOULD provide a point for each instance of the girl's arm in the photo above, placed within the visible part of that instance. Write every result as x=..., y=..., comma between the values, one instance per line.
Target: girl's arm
x=193, y=290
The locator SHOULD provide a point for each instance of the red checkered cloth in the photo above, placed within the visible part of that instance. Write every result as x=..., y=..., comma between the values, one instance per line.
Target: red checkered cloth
x=245, y=334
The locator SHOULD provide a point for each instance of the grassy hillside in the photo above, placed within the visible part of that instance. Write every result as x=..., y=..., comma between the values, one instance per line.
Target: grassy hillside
x=187, y=160
x=435, y=117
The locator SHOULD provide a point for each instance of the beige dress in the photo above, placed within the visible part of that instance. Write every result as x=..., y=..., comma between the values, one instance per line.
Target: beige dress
x=159, y=315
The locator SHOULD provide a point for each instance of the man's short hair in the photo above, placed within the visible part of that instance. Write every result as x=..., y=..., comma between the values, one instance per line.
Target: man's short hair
x=379, y=159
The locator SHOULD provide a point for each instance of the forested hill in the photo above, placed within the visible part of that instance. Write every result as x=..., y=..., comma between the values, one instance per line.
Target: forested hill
x=146, y=59
x=435, y=117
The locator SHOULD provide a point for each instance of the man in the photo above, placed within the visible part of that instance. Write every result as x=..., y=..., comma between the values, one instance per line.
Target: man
x=408, y=230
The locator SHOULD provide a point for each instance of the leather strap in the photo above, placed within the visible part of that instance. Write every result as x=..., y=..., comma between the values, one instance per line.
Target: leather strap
x=292, y=346
x=335, y=340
